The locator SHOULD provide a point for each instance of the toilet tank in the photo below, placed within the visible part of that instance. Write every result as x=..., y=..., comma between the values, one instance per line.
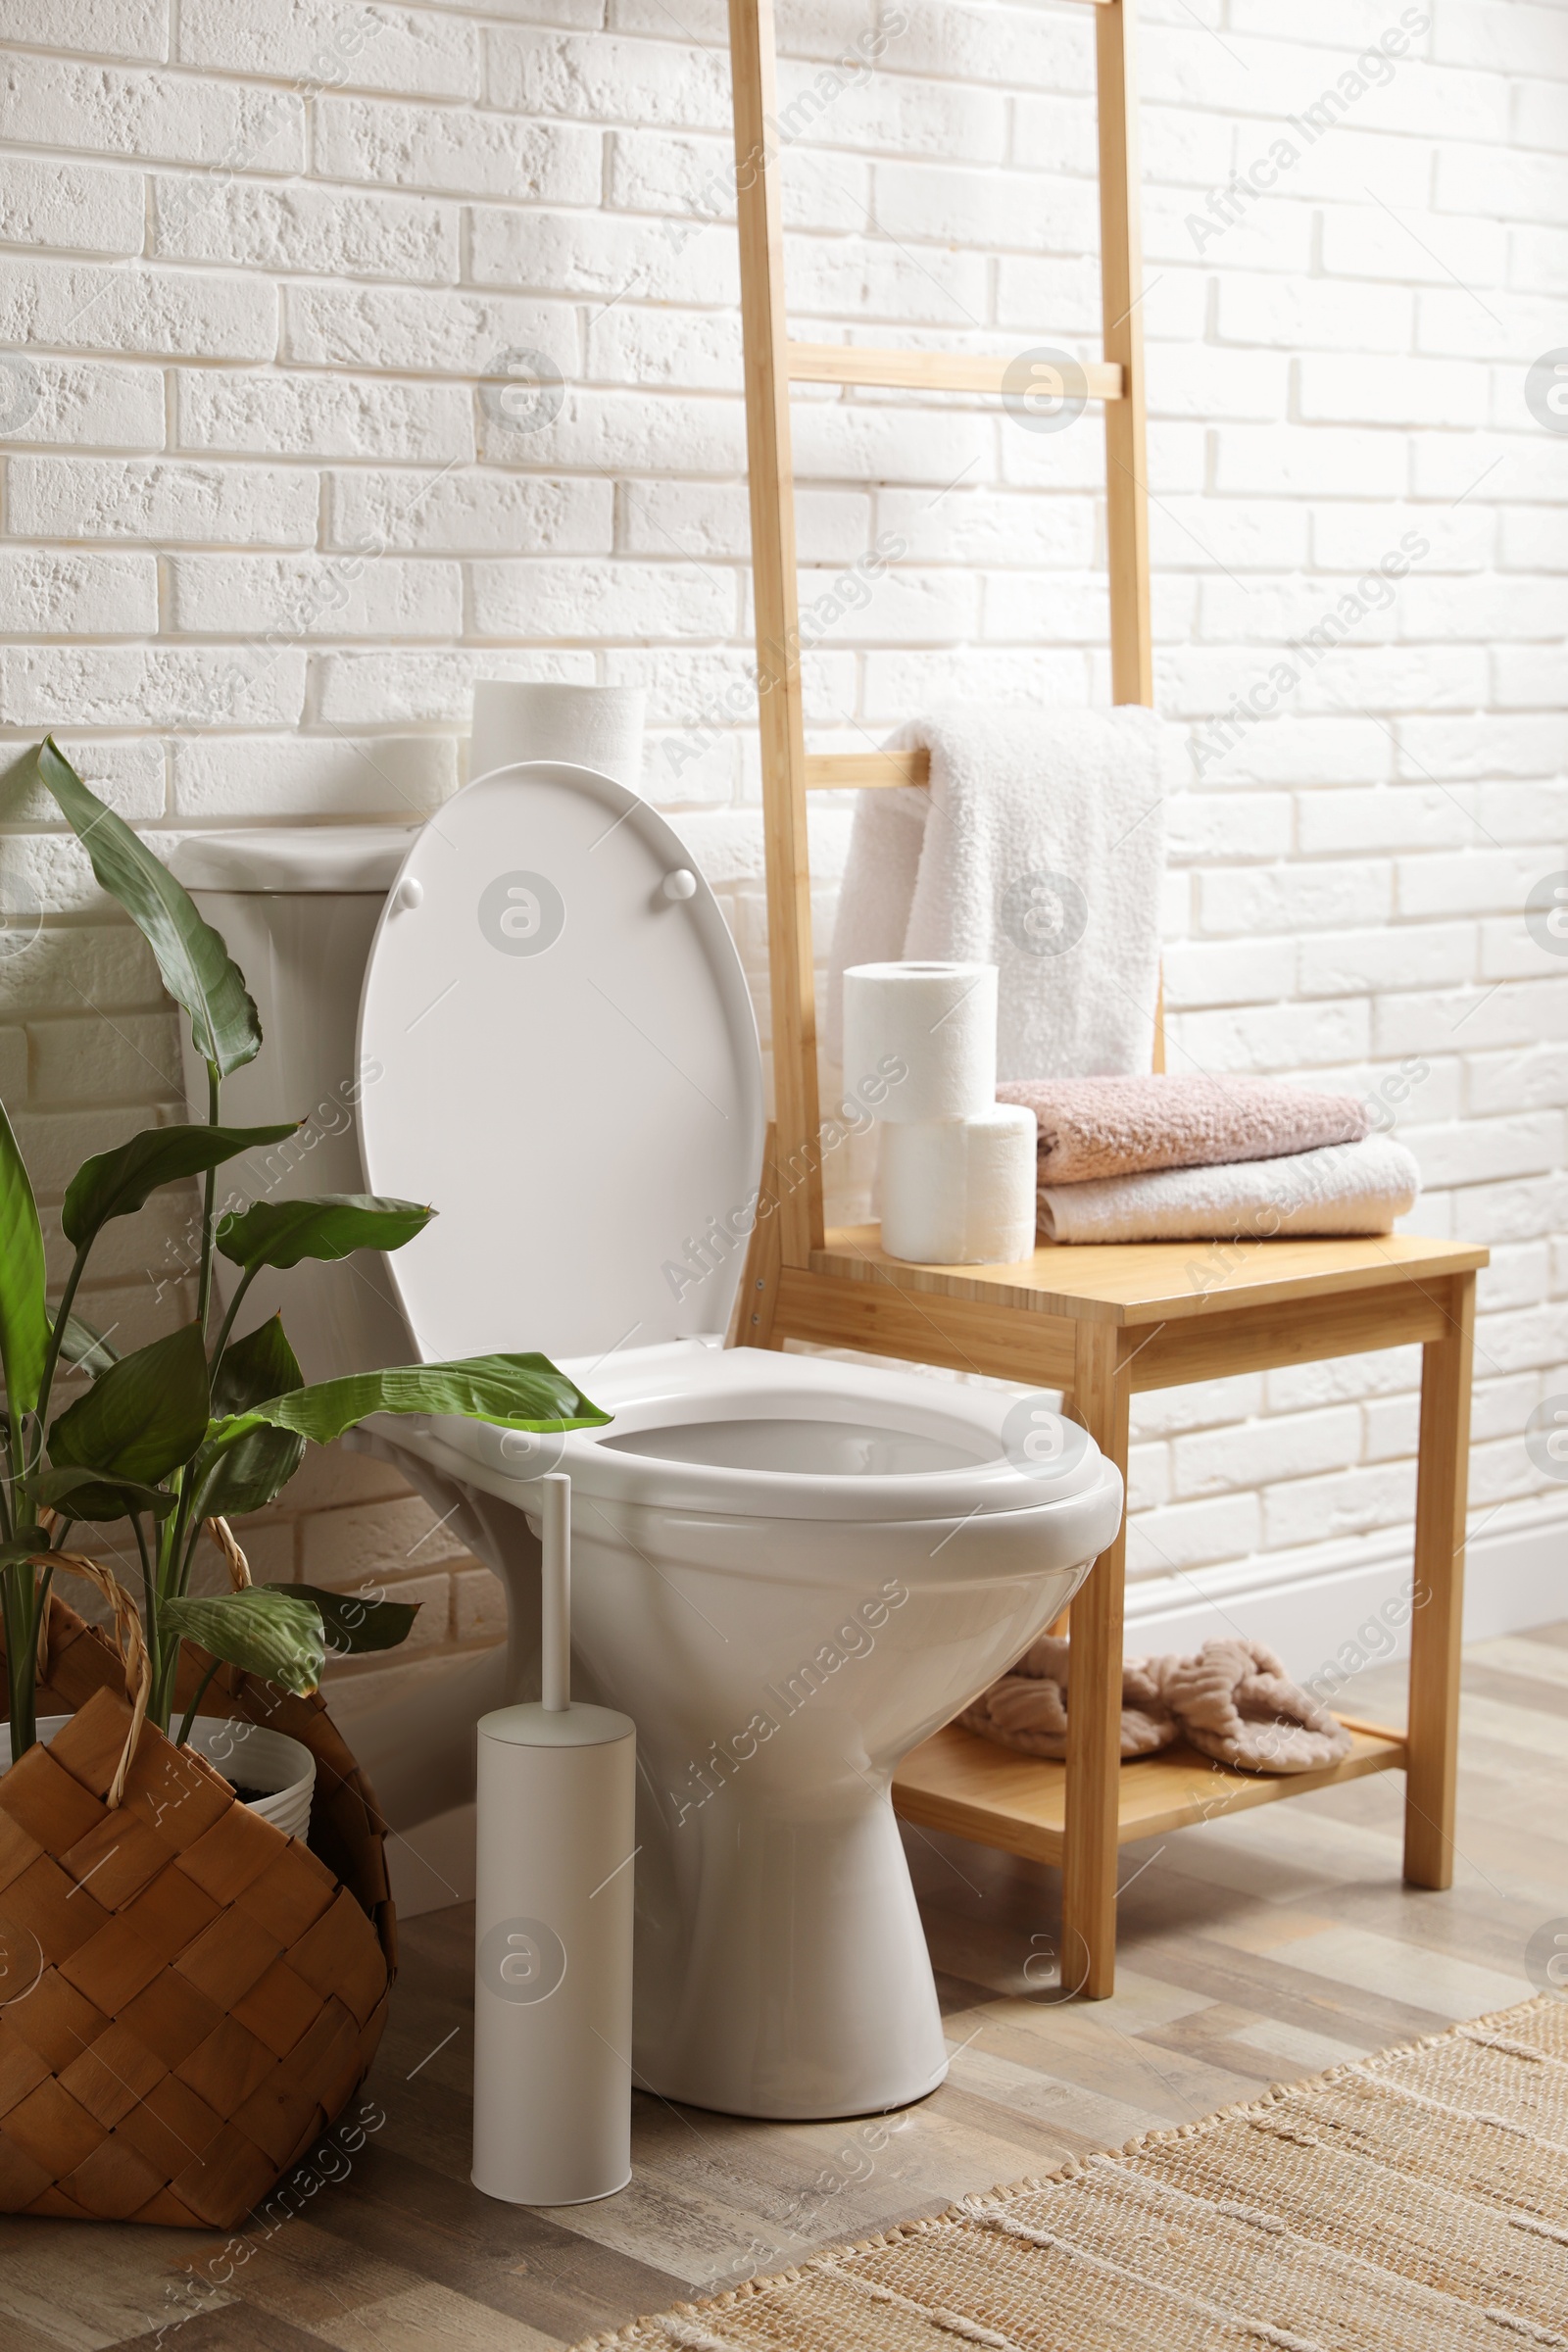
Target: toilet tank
x=298, y=910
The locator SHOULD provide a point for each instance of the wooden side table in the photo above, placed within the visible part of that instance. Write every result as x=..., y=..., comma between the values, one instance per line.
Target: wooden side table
x=1101, y=1324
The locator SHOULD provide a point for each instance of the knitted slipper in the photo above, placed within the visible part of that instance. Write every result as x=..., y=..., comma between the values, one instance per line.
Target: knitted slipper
x=1236, y=1702
x=1027, y=1709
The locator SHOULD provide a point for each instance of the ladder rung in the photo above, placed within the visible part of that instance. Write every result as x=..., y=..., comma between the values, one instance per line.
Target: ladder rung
x=927, y=370
x=832, y=771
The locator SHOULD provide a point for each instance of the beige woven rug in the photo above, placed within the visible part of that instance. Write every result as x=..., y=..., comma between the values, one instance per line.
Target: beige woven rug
x=1415, y=2202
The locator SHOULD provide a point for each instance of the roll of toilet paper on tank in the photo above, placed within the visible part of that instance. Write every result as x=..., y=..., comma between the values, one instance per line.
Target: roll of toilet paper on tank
x=936, y=1021
x=960, y=1191
x=593, y=726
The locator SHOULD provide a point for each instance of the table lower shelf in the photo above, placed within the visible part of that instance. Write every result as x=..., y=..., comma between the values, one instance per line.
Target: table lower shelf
x=969, y=1786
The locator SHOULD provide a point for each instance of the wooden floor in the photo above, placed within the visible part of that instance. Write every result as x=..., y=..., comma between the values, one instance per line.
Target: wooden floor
x=1252, y=1951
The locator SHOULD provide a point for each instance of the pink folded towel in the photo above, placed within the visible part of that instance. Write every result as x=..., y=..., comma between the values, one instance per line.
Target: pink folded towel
x=1093, y=1127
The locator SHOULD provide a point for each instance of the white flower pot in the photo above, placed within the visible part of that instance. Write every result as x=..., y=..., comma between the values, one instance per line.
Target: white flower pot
x=246, y=1753
x=253, y=1757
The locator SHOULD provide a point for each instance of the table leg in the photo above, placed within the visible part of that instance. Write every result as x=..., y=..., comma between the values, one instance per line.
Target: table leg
x=1437, y=1622
x=1100, y=1399
x=752, y=1317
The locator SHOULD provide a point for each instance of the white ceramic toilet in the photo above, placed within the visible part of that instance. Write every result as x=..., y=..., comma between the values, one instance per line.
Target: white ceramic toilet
x=788, y=1570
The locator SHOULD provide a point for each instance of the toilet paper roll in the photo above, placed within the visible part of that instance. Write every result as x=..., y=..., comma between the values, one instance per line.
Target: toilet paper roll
x=593, y=726
x=962, y=1191
x=936, y=1021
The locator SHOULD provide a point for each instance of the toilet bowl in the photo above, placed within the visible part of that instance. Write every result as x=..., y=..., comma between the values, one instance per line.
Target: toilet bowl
x=788, y=1570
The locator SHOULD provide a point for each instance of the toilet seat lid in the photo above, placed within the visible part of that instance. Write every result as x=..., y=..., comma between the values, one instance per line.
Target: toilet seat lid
x=558, y=1051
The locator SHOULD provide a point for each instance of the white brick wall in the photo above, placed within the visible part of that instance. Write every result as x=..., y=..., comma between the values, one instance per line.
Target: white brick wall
x=253, y=260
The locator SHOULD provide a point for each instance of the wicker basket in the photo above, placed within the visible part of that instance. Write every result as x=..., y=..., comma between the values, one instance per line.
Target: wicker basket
x=189, y=1997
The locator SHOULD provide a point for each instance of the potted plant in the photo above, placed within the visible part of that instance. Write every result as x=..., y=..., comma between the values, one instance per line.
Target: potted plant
x=173, y=1439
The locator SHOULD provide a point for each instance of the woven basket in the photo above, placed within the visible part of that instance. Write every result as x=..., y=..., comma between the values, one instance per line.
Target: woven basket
x=189, y=1997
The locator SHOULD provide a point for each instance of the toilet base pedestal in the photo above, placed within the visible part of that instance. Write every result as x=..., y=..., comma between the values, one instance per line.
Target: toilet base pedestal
x=781, y=1968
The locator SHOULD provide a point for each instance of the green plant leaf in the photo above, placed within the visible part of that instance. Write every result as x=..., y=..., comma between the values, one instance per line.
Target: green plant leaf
x=84, y=1495
x=196, y=966
x=143, y=1417
x=23, y=1318
x=22, y=1545
x=353, y=1623
x=116, y=1183
x=269, y=1632
x=244, y=1477
x=89, y=1349
x=253, y=1370
x=281, y=1233
x=514, y=1392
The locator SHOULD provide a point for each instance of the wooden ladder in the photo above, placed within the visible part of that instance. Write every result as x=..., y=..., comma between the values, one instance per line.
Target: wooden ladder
x=1098, y=1323
x=772, y=365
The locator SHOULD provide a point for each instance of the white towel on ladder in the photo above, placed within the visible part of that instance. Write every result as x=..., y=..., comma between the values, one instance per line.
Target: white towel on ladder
x=1039, y=847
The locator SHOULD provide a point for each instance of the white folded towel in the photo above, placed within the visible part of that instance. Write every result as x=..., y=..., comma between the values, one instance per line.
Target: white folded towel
x=1346, y=1188
x=1039, y=846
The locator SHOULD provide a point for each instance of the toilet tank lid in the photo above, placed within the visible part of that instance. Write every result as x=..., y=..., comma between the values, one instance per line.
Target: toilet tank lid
x=345, y=859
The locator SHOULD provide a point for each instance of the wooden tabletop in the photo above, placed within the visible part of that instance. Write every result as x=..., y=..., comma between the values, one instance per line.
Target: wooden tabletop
x=1145, y=1282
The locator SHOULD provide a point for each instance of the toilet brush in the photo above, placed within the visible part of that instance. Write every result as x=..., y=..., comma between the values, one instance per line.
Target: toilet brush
x=552, y=2005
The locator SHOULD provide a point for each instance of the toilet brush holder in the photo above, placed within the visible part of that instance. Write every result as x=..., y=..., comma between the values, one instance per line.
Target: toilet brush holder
x=553, y=1932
